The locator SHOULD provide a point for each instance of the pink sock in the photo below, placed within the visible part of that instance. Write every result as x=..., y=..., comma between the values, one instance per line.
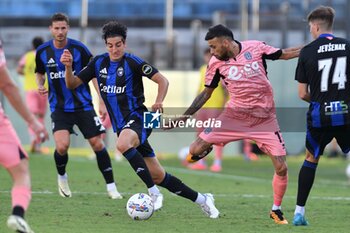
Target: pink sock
x=21, y=196
x=279, y=185
x=218, y=152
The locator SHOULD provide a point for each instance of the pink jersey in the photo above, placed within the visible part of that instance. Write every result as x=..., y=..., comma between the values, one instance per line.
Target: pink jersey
x=10, y=146
x=245, y=78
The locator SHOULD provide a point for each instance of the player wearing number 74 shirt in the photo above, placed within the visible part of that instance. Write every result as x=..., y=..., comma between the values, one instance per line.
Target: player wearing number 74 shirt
x=322, y=72
x=250, y=112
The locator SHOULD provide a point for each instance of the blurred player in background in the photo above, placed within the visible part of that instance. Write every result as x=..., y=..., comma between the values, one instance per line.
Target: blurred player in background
x=70, y=107
x=322, y=72
x=36, y=103
x=119, y=75
x=250, y=112
x=12, y=156
x=211, y=109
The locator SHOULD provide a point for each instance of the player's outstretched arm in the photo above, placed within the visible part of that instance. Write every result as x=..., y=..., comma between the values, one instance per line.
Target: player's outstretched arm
x=12, y=93
x=199, y=101
x=67, y=60
x=163, y=85
x=290, y=53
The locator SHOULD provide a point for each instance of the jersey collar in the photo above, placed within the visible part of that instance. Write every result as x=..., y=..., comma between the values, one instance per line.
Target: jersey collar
x=325, y=35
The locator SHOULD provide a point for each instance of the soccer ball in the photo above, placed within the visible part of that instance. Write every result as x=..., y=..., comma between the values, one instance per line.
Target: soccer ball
x=183, y=152
x=140, y=206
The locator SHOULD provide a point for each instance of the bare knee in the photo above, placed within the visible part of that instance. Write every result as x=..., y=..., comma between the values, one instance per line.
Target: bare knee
x=62, y=148
x=158, y=176
x=96, y=143
x=20, y=174
x=282, y=169
x=123, y=147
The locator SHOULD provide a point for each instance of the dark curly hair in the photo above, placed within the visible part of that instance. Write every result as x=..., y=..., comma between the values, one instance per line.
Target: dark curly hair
x=59, y=17
x=113, y=29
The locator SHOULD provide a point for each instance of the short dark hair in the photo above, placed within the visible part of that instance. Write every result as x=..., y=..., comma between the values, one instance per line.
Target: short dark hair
x=37, y=41
x=219, y=31
x=113, y=29
x=323, y=13
x=59, y=17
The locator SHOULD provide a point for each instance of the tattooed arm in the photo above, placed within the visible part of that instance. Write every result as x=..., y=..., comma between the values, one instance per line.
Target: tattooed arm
x=199, y=101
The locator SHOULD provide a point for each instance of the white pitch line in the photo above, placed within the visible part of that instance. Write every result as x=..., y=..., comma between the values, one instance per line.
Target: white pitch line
x=222, y=195
x=318, y=183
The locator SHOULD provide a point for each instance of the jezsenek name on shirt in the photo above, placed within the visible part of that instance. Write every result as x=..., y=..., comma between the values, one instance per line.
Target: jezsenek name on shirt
x=330, y=47
x=111, y=89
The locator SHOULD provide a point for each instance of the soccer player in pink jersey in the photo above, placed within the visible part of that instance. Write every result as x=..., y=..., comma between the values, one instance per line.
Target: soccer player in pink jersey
x=12, y=156
x=250, y=112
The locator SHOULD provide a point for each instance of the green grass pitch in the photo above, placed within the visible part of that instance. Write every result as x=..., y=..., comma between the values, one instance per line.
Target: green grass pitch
x=242, y=193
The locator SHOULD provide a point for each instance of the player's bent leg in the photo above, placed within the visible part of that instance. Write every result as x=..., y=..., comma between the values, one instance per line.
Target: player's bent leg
x=198, y=150
x=105, y=166
x=127, y=143
x=176, y=186
x=305, y=182
x=62, y=141
x=279, y=186
x=21, y=196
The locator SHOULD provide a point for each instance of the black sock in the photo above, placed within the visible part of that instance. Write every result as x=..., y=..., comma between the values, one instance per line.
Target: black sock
x=176, y=186
x=105, y=166
x=138, y=164
x=18, y=211
x=61, y=162
x=305, y=182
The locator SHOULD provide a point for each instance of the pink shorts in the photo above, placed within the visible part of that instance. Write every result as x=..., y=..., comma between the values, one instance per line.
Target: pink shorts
x=11, y=150
x=264, y=131
x=36, y=103
x=207, y=113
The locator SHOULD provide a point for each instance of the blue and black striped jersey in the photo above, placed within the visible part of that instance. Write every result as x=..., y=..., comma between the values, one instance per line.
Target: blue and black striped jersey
x=60, y=97
x=324, y=65
x=120, y=84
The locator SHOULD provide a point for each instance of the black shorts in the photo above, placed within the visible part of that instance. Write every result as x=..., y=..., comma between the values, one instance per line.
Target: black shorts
x=318, y=138
x=87, y=121
x=135, y=123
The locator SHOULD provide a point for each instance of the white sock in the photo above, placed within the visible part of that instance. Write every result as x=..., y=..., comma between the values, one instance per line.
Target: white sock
x=200, y=199
x=276, y=207
x=300, y=210
x=154, y=189
x=64, y=177
x=111, y=187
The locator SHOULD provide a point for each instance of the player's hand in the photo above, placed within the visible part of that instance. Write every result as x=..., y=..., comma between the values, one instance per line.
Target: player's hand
x=42, y=90
x=102, y=110
x=157, y=107
x=66, y=58
x=39, y=129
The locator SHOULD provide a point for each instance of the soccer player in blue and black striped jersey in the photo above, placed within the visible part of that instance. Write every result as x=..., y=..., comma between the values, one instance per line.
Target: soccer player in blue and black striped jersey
x=70, y=107
x=120, y=80
x=322, y=72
